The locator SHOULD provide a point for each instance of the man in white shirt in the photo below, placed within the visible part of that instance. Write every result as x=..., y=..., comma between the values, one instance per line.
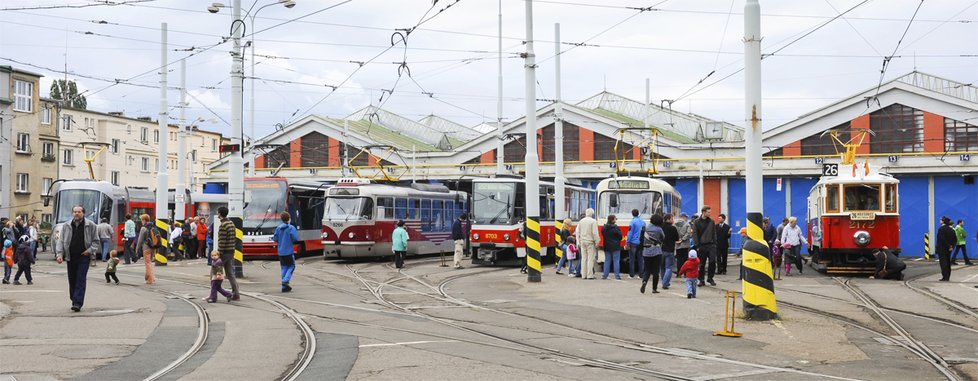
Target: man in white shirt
x=587, y=237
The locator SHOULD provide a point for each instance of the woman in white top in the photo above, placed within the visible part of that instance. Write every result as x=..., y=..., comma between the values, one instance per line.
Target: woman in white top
x=792, y=239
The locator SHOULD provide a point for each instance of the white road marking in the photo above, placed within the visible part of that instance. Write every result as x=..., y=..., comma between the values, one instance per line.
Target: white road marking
x=13, y=291
x=407, y=343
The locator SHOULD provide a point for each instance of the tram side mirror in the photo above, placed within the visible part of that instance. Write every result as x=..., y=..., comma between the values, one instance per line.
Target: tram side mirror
x=46, y=199
x=613, y=200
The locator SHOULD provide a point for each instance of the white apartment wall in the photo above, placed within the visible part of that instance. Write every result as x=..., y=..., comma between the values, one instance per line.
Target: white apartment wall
x=127, y=162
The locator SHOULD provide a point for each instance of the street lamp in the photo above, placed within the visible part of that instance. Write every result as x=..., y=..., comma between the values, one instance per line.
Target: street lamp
x=216, y=7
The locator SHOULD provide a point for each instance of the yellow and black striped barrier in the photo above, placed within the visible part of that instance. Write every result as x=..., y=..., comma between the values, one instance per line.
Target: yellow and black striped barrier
x=559, y=226
x=238, y=261
x=533, y=249
x=164, y=228
x=758, y=283
x=927, y=246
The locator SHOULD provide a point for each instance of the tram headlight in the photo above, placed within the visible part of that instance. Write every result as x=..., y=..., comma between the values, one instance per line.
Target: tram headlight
x=506, y=237
x=351, y=235
x=475, y=237
x=861, y=238
x=325, y=235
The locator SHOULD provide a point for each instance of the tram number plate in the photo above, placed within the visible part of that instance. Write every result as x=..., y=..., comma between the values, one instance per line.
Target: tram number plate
x=862, y=216
x=830, y=169
x=862, y=224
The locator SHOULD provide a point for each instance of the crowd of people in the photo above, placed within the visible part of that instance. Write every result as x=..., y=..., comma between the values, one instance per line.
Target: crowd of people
x=657, y=249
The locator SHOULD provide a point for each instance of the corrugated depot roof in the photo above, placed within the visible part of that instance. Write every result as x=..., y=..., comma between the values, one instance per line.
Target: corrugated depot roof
x=671, y=135
x=947, y=87
x=383, y=135
x=689, y=126
x=454, y=130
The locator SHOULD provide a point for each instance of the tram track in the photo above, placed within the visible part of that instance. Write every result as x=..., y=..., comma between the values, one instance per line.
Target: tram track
x=203, y=330
x=917, y=346
x=442, y=295
x=308, y=336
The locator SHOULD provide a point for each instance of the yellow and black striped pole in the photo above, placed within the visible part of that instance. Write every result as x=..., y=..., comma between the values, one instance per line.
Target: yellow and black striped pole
x=533, y=273
x=758, y=283
x=164, y=228
x=559, y=251
x=238, y=261
x=927, y=246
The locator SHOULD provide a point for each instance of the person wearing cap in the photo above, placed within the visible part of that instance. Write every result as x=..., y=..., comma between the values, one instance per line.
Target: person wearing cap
x=459, y=229
x=399, y=242
x=691, y=271
x=946, y=240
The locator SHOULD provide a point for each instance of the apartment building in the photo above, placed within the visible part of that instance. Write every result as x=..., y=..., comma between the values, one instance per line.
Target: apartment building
x=125, y=150
x=28, y=163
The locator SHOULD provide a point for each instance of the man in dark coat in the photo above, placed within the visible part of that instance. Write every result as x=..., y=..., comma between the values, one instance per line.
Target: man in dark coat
x=946, y=239
x=704, y=238
x=77, y=242
x=770, y=233
x=888, y=265
x=723, y=243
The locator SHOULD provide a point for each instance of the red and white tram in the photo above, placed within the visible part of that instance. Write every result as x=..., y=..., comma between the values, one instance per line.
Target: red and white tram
x=498, y=209
x=619, y=195
x=857, y=211
x=266, y=198
x=360, y=216
x=102, y=199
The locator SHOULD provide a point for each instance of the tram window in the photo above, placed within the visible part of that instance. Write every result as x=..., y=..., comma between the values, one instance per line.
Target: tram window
x=400, y=208
x=105, y=208
x=414, y=209
x=426, y=215
x=891, y=198
x=862, y=197
x=832, y=199
x=437, y=214
x=385, y=208
x=120, y=212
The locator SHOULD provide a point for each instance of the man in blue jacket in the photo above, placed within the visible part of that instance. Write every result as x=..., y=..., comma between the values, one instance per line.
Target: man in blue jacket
x=634, y=245
x=285, y=236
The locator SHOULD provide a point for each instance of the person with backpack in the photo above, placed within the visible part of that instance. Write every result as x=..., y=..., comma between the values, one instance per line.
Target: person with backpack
x=147, y=243
x=77, y=243
x=652, y=252
x=24, y=258
x=285, y=236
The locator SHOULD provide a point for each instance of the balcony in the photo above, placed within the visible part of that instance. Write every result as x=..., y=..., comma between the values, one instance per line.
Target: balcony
x=49, y=158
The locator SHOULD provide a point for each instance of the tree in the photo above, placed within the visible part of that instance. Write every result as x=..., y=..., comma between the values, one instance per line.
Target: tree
x=67, y=91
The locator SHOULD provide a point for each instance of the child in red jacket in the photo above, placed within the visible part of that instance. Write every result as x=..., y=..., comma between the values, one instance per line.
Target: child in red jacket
x=691, y=270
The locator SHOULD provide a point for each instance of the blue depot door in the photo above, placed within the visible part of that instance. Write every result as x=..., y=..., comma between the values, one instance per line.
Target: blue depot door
x=955, y=198
x=737, y=210
x=689, y=189
x=913, y=215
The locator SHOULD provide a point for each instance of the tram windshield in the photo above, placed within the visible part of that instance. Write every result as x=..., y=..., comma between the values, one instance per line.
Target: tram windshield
x=266, y=199
x=862, y=197
x=348, y=208
x=96, y=204
x=647, y=203
x=494, y=203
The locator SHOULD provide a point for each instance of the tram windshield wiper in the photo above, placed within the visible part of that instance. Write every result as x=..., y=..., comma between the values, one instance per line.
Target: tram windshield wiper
x=504, y=210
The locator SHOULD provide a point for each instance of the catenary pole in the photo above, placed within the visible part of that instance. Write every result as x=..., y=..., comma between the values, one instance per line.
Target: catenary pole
x=560, y=212
x=162, y=216
x=500, y=162
x=531, y=160
x=758, y=284
x=236, y=162
x=179, y=198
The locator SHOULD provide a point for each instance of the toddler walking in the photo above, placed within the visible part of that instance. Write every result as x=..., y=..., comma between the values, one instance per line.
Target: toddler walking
x=691, y=270
x=8, y=260
x=217, y=278
x=110, y=267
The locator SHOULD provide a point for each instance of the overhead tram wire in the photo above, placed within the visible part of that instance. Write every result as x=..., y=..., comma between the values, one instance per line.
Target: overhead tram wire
x=613, y=26
x=854, y=29
x=95, y=3
x=691, y=90
x=887, y=59
x=394, y=43
x=938, y=26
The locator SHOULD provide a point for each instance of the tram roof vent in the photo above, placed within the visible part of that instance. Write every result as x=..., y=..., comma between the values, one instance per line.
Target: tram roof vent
x=430, y=187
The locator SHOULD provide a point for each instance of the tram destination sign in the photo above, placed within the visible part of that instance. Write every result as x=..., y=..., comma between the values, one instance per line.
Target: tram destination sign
x=862, y=216
x=830, y=169
x=628, y=184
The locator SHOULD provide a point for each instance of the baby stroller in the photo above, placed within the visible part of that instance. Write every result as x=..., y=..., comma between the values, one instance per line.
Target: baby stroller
x=776, y=259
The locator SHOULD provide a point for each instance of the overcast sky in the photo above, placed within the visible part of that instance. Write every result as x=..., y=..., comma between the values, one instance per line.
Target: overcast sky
x=451, y=65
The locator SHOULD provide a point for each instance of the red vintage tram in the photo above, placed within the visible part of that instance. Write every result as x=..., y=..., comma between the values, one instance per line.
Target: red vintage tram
x=856, y=210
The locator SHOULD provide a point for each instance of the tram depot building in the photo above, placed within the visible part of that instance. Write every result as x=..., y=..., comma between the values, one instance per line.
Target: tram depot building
x=925, y=133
